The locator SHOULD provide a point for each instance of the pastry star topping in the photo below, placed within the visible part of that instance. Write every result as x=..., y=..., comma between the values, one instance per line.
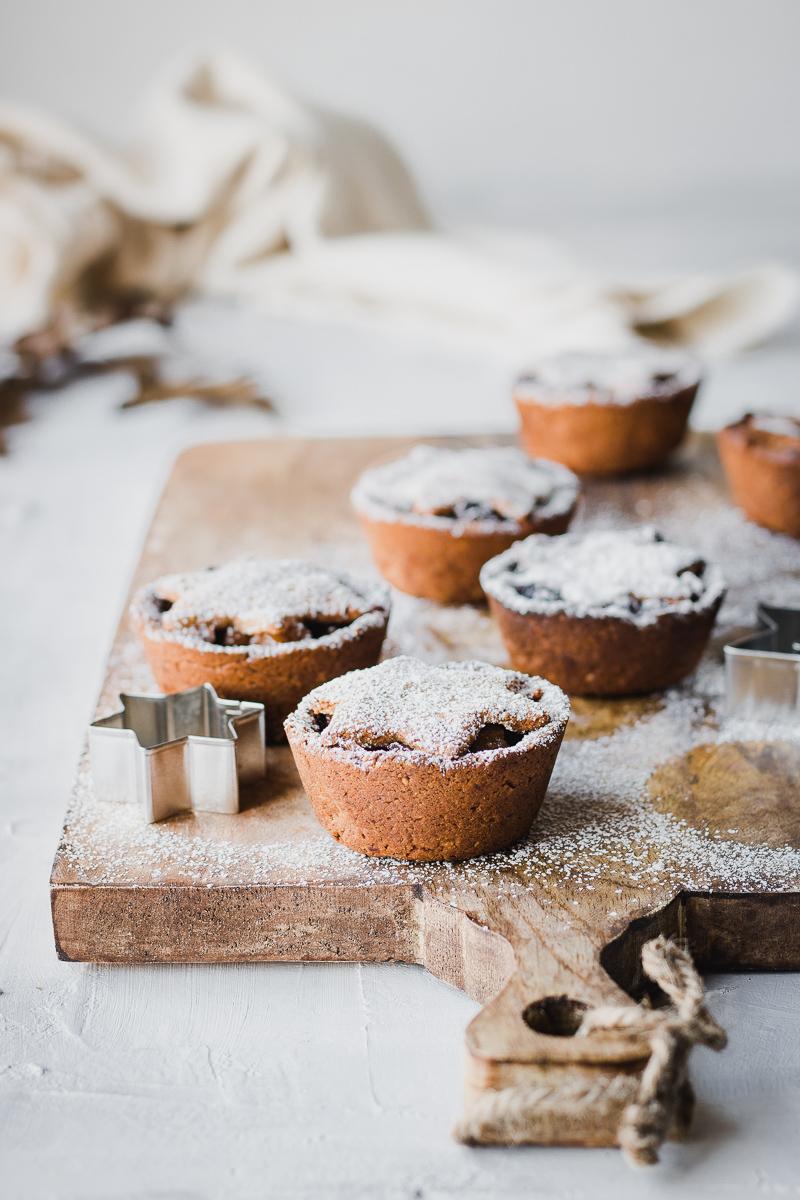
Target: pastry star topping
x=444, y=711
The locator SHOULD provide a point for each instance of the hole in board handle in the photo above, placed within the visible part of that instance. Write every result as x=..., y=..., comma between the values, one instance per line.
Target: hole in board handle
x=556, y=1016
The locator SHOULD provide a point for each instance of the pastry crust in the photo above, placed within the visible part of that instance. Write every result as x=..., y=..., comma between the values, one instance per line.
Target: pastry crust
x=630, y=422
x=280, y=659
x=392, y=798
x=625, y=640
x=596, y=656
x=433, y=518
x=761, y=457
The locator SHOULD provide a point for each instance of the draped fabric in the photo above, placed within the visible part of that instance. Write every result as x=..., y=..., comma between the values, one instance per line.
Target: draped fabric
x=229, y=186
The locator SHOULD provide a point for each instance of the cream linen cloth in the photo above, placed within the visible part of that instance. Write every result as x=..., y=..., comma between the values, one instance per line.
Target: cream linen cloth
x=231, y=187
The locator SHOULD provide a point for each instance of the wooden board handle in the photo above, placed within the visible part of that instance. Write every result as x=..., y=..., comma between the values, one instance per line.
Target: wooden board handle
x=562, y=1054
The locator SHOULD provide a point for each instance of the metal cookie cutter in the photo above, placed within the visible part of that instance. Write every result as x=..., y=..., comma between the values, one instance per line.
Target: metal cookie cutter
x=762, y=670
x=178, y=753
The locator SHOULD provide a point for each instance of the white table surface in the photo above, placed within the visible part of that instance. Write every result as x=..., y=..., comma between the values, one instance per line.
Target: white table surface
x=276, y=1080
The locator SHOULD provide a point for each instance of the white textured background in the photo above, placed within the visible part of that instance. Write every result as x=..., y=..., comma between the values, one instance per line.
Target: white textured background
x=508, y=110
x=653, y=136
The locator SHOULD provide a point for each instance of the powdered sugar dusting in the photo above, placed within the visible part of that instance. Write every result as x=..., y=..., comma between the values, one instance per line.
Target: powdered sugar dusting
x=630, y=574
x=598, y=830
x=404, y=705
x=494, y=486
x=581, y=378
x=256, y=606
x=110, y=844
x=599, y=826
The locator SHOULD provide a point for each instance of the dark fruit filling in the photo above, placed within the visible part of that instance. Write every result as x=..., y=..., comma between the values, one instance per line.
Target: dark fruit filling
x=489, y=737
x=227, y=635
x=494, y=737
x=529, y=590
x=386, y=746
x=657, y=378
x=520, y=686
x=633, y=603
x=318, y=629
x=470, y=510
x=696, y=568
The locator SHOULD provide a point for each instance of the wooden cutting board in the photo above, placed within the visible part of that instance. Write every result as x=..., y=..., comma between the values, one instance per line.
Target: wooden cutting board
x=661, y=816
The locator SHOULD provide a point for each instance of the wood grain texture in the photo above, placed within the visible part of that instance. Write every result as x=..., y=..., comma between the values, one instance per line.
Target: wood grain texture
x=564, y=920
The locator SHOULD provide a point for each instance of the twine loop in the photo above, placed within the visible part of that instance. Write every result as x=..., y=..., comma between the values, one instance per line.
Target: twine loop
x=665, y=1095
x=663, y=1099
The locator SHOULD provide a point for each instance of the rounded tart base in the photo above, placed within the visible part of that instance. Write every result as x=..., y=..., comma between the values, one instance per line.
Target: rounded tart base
x=436, y=564
x=606, y=439
x=277, y=680
x=764, y=481
x=605, y=656
x=400, y=807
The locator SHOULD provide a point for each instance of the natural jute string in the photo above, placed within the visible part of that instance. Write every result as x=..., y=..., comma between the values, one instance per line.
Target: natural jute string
x=663, y=1097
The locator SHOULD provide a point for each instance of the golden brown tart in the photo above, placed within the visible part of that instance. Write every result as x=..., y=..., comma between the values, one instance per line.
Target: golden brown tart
x=257, y=629
x=433, y=517
x=427, y=762
x=761, y=457
x=607, y=414
x=607, y=612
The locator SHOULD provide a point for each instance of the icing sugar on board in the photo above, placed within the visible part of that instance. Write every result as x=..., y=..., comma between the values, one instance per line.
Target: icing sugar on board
x=661, y=815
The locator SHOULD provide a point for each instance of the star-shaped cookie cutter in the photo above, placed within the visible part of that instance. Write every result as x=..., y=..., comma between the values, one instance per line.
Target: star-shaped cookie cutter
x=188, y=751
x=762, y=670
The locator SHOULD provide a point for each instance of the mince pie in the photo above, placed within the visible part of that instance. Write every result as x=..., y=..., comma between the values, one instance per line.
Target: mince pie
x=606, y=613
x=427, y=762
x=436, y=515
x=761, y=457
x=259, y=629
x=607, y=414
